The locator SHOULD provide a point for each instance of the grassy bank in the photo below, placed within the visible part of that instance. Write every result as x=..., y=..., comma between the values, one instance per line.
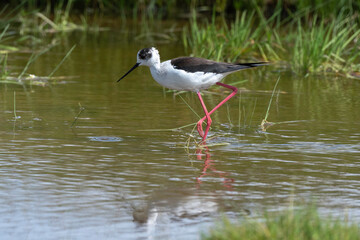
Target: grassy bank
x=300, y=224
x=305, y=36
x=305, y=42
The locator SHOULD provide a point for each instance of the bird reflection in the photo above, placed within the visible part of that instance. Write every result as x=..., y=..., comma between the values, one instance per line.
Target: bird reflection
x=209, y=168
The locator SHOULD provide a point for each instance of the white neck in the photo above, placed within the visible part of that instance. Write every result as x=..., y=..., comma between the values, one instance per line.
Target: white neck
x=156, y=66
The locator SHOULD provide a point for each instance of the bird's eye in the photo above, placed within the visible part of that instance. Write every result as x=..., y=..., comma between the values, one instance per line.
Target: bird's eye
x=145, y=54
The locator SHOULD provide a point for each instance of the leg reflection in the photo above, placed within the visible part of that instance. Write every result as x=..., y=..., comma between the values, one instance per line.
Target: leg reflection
x=209, y=168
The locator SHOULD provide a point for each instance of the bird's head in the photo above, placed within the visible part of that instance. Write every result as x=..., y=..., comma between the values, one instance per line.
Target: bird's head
x=146, y=57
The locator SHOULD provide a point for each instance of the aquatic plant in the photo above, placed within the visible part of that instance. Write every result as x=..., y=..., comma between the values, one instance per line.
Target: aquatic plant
x=31, y=79
x=304, y=223
x=264, y=123
x=326, y=46
x=5, y=48
x=45, y=22
x=227, y=42
x=62, y=61
x=18, y=26
x=81, y=109
x=309, y=43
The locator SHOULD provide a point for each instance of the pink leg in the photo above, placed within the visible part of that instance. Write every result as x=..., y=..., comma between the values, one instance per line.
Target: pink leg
x=208, y=119
x=207, y=114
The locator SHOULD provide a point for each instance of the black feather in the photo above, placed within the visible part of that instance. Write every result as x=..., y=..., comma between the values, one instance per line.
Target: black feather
x=193, y=64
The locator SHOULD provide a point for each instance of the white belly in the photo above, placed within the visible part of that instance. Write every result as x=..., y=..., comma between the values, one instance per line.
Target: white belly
x=177, y=79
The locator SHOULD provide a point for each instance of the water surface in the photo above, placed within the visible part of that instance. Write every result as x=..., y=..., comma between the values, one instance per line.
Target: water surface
x=118, y=174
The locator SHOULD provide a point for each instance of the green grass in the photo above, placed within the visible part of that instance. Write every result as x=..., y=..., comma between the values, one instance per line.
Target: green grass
x=326, y=46
x=61, y=20
x=306, y=36
x=224, y=41
x=20, y=27
x=27, y=22
x=305, y=41
x=30, y=79
x=304, y=223
x=62, y=61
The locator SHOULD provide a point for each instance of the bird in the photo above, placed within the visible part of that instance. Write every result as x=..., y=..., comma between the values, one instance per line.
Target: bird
x=190, y=74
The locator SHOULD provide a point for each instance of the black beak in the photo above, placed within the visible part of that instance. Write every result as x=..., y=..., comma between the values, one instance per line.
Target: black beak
x=135, y=66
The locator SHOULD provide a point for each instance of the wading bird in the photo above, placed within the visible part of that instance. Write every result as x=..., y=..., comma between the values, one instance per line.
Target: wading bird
x=190, y=74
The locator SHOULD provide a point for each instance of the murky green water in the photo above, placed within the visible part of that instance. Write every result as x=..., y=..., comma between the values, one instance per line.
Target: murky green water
x=108, y=178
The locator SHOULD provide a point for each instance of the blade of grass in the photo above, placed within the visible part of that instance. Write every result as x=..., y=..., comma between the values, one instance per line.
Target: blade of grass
x=252, y=114
x=27, y=65
x=166, y=129
x=239, y=120
x=15, y=116
x=4, y=31
x=33, y=57
x=238, y=82
x=61, y=62
x=47, y=20
x=228, y=114
x=4, y=71
x=78, y=115
x=272, y=95
x=190, y=107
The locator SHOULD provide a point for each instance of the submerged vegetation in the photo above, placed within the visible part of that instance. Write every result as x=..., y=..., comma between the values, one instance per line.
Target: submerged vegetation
x=292, y=224
x=23, y=29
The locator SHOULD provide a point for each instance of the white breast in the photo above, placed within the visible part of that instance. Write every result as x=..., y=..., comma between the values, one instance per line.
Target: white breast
x=177, y=79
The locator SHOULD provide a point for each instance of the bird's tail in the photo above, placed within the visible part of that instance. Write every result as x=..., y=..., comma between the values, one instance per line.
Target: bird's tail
x=250, y=65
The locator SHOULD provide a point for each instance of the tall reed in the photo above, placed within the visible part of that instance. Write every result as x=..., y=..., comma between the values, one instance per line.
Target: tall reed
x=331, y=45
x=307, y=42
x=222, y=41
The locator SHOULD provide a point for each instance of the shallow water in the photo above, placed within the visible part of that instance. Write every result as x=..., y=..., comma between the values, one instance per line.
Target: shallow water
x=119, y=174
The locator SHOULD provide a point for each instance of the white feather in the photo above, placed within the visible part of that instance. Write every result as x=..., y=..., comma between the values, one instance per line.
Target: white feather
x=166, y=75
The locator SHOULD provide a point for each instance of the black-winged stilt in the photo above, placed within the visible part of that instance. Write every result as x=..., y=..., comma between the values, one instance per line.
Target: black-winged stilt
x=190, y=74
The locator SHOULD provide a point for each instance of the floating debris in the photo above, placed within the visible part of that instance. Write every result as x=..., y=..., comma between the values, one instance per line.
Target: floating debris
x=265, y=125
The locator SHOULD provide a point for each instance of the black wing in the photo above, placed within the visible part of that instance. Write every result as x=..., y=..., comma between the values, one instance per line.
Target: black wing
x=193, y=64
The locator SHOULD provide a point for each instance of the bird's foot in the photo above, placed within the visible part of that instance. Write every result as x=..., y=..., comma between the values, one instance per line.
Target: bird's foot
x=200, y=129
